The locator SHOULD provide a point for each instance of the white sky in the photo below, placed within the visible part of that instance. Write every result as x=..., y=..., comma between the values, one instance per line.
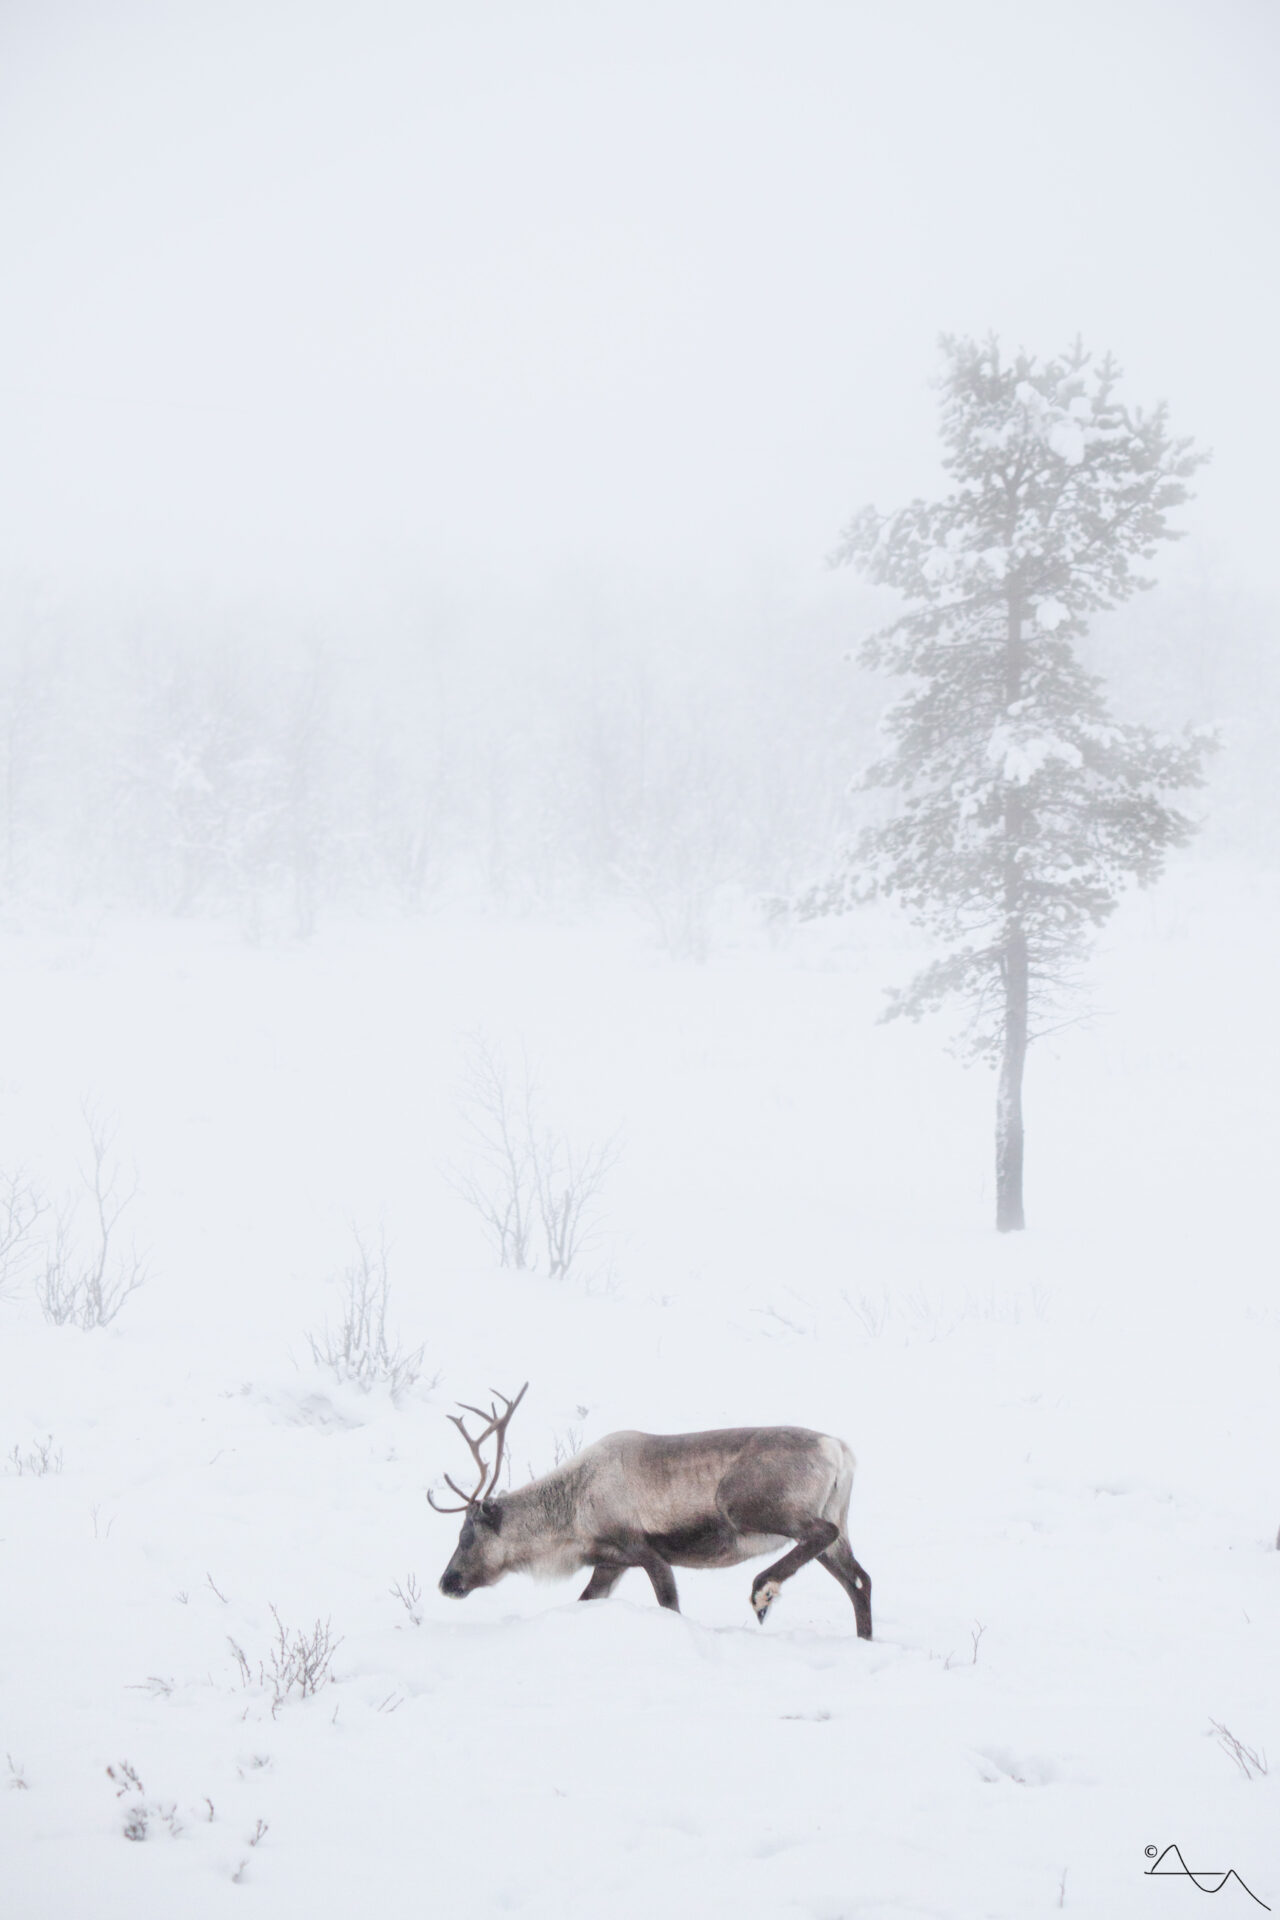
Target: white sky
x=302, y=299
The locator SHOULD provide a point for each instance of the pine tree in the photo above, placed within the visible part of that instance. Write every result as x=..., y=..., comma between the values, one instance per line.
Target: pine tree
x=1025, y=806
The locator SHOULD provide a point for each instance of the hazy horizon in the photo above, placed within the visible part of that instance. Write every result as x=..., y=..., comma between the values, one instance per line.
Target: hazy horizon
x=333, y=311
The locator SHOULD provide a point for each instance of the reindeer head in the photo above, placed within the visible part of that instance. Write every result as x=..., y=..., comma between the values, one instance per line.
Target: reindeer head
x=479, y=1559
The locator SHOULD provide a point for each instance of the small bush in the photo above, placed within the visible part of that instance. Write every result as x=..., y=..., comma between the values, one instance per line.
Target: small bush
x=524, y=1175
x=21, y=1205
x=296, y=1662
x=361, y=1351
x=140, y=1814
x=299, y=1662
x=39, y=1458
x=85, y=1283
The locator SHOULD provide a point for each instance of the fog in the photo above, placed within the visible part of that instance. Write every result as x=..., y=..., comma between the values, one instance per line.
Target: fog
x=498, y=357
x=423, y=691
x=470, y=396
x=339, y=309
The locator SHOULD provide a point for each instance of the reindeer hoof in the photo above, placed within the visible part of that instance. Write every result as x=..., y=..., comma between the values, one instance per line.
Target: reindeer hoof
x=763, y=1597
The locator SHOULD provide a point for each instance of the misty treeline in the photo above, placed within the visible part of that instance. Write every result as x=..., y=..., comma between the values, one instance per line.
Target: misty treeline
x=245, y=770
x=691, y=762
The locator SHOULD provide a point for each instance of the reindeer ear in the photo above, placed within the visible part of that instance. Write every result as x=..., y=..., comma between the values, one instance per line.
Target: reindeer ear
x=489, y=1513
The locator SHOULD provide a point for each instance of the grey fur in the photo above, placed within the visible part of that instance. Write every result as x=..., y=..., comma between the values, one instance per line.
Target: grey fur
x=659, y=1501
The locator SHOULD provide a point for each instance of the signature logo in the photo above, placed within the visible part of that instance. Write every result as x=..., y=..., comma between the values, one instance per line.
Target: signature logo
x=1208, y=1882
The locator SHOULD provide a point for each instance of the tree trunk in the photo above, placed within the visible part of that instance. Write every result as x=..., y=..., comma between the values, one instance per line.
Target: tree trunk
x=1009, y=1214
x=1013, y=965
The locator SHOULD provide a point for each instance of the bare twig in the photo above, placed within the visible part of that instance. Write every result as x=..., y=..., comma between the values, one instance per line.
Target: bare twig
x=1251, y=1763
x=871, y=1312
x=125, y=1778
x=565, y=1445
x=155, y=1684
x=410, y=1597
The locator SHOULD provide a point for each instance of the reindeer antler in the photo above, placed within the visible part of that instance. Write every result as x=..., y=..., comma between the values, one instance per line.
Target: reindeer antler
x=497, y=1423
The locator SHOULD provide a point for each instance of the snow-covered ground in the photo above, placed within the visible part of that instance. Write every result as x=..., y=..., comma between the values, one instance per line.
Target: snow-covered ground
x=1069, y=1477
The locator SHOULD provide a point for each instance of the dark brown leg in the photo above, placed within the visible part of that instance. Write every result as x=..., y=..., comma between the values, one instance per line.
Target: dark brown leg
x=633, y=1553
x=817, y=1536
x=659, y=1571
x=602, y=1583
x=838, y=1560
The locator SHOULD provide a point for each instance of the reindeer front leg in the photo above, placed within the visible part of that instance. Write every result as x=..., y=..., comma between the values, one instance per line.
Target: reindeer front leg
x=612, y=1562
x=659, y=1571
x=602, y=1583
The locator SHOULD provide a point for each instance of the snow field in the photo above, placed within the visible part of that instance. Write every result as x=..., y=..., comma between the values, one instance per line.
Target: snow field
x=1066, y=1497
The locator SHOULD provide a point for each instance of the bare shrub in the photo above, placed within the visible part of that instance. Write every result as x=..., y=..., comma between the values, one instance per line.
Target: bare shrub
x=41, y=1457
x=918, y=1315
x=298, y=1662
x=569, y=1185
x=410, y=1597
x=361, y=1351
x=525, y=1175
x=156, y=1684
x=261, y=1830
x=503, y=1187
x=140, y=1814
x=871, y=1311
x=85, y=1283
x=21, y=1206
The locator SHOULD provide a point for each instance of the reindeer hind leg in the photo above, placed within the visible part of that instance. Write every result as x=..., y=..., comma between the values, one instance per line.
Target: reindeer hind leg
x=839, y=1562
x=765, y=1588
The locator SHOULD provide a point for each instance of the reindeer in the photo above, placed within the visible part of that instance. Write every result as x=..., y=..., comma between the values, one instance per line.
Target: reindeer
x=658, y=1501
